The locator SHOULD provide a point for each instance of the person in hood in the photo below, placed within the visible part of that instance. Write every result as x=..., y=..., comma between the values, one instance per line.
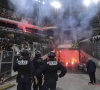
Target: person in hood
x=91, y=69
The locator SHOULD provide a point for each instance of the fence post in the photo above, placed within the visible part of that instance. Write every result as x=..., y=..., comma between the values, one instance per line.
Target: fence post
x=1, y=60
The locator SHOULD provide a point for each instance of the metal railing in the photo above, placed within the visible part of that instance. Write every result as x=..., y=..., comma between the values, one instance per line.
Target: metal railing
x=8, y=58
x=6, y=63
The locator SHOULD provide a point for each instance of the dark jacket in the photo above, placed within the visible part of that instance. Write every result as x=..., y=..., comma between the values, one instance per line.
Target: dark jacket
x=23, y=68
x=91, y=66
x=37, y=62
x=44, y=67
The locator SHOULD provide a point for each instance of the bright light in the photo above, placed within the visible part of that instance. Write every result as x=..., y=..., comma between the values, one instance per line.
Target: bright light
x=39, y=1
x=43, y=2
x=72, y=62
x=73, y=59
x=66, y=63
x=95, y=1
x=56, y=4
x=87, y=2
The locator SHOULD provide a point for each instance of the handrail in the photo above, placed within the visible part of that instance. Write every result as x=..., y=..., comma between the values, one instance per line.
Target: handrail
x=93, y=59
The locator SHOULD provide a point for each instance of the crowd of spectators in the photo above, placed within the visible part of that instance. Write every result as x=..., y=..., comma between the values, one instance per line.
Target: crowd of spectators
x=7, y=42
x=4, y=13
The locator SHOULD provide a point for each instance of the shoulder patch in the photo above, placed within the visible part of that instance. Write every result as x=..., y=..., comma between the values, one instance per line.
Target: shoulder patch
x=51, y=63
x=22, y=62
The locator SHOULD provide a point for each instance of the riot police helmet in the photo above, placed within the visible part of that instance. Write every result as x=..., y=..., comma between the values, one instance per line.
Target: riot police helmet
x=38, y=54
x=51, y=54
x=24, y=53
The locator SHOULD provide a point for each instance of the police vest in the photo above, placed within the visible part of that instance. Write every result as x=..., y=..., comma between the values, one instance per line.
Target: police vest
x=23, y=66
x=51, y=70
x=37, y=62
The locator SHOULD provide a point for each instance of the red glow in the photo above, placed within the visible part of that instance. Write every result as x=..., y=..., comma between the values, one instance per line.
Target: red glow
x=69, y=56
x=23, y=25
x=54, y=50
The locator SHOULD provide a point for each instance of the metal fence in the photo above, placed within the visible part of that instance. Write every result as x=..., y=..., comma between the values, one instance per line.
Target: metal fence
x=8, y=58
x=91, y=48
x=6, y=63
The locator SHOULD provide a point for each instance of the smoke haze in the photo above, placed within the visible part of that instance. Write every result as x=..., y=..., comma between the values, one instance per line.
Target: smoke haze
x=72, y=14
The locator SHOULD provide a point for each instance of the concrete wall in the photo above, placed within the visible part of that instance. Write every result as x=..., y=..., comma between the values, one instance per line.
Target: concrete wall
x=97, y=65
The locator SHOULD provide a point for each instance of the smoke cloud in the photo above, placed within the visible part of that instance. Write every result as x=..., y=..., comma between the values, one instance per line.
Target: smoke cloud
x=72, y=14
x=23, y=7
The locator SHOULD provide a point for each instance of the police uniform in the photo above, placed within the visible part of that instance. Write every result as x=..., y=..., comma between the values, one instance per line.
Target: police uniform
x=49, y=69
x=26, y=70
x=37, y=61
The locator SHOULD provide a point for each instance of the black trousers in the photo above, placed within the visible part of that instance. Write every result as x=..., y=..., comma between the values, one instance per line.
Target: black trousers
x=39, y=85
x=24, y=83
x=92, y=77
x=49, y=84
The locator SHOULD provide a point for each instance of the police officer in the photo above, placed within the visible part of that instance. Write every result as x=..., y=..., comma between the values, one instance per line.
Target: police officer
x=49, y=69
x=26, y=71
x=37, y=61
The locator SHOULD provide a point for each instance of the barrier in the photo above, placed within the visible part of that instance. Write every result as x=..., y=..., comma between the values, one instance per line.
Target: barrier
x=6, y=62
x=8, y=58
x=97, y=65
x=89, y=56
x=91, y=48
